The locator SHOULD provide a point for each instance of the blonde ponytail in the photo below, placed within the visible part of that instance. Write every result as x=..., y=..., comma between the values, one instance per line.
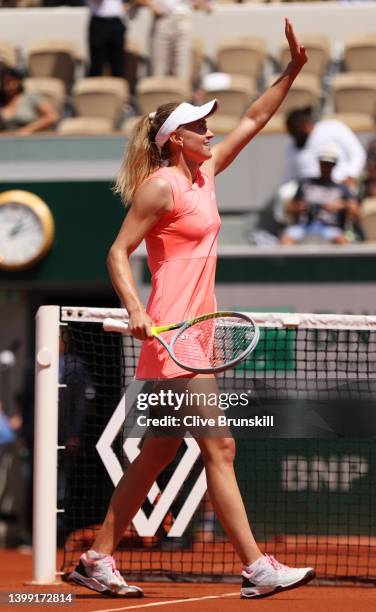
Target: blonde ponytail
x=142, y=156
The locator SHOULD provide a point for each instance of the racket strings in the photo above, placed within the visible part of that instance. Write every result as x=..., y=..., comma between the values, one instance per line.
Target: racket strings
x=213, y=343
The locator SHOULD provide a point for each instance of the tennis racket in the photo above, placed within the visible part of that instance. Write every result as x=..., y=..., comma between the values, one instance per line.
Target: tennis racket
x=209, y=343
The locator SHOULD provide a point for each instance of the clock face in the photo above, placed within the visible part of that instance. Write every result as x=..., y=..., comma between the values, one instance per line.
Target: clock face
x=26, y=229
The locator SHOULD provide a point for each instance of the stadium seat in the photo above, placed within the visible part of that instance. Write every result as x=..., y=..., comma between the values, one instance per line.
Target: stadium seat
x=8, y=54
x=357, y=122
x=221, y=124
x=151, y=92
x=360, y=54
x=52, y=90
x=53, y=58
x=100, y=97
x=368, y=218
x=233, y=92
x=276, y=125
x=305, y=91
x=354, y=93
x=318, y=52
x=81, y=126
x=29, y=3
x=129, y=124
x=243, y=55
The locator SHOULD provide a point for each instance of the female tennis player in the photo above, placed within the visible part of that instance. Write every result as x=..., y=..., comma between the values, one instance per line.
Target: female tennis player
x=168, y=175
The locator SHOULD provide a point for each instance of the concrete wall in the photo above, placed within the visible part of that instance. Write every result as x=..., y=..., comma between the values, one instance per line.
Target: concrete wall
x=247, y=185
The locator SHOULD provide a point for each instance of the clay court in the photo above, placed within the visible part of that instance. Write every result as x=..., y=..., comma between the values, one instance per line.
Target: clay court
x=16, y=570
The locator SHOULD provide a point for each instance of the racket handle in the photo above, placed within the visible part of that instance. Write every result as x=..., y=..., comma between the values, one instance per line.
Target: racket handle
x=115, y=325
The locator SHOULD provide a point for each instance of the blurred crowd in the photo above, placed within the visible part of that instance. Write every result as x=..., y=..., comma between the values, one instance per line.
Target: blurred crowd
x=51, y=90
x=77, y=395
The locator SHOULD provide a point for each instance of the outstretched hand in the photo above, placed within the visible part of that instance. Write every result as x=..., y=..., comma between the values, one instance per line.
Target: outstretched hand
x=297, y=51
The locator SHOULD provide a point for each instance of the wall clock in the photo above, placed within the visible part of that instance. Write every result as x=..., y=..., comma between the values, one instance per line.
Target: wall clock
x=26, y=229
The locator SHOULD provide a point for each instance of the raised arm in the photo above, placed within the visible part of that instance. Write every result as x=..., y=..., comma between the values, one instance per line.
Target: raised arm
x=151, y=201
x=259, y=113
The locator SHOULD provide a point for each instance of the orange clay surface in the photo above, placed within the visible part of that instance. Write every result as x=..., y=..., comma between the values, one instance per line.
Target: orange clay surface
x=16, y=571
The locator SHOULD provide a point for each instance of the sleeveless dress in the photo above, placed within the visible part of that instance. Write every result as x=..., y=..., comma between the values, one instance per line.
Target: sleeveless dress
x=182, y=256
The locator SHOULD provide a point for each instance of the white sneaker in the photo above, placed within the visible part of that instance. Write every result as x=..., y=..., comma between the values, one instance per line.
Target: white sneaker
x=99, y=573
x=266, y=576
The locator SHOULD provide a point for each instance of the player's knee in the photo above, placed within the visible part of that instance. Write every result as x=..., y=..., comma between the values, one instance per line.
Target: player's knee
x=228, y=450
x=219, y=450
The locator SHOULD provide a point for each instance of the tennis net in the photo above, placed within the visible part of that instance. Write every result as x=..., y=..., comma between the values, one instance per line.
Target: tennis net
x=309, y=489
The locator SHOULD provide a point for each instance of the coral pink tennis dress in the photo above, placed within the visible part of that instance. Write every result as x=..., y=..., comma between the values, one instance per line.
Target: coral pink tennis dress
x=182, y=255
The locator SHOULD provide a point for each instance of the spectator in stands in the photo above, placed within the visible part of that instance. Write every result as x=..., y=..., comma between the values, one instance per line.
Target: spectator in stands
x=171, y=35
x=308, y=138
x=106, y=36
x=367, y=187
x=321, y=208
x=26, y=401
x=7, y=433
x=22, y=112
x=12, y=481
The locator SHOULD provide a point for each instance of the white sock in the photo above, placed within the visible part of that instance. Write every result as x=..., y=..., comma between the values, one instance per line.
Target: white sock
x=251, y=568
x=93, y=555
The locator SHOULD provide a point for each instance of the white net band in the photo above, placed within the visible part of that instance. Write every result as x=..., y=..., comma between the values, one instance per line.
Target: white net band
x=268, y=319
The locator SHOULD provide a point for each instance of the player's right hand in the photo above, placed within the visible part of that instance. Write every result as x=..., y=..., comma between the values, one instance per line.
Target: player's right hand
x=334, y=205
x=140, y=324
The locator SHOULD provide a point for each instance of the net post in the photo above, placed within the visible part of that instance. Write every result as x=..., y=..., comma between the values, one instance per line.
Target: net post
x=45, y=444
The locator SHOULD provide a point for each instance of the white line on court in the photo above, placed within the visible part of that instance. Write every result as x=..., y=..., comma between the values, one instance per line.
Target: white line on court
x=166, y=603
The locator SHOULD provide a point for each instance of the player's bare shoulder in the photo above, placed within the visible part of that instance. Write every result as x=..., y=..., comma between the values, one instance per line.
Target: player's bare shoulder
x=154, y=196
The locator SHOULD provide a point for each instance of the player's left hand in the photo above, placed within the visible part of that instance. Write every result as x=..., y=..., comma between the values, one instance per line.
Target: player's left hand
x=297, y=51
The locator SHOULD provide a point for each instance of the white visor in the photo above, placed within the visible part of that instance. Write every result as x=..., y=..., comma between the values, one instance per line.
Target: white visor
x=184, y=113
